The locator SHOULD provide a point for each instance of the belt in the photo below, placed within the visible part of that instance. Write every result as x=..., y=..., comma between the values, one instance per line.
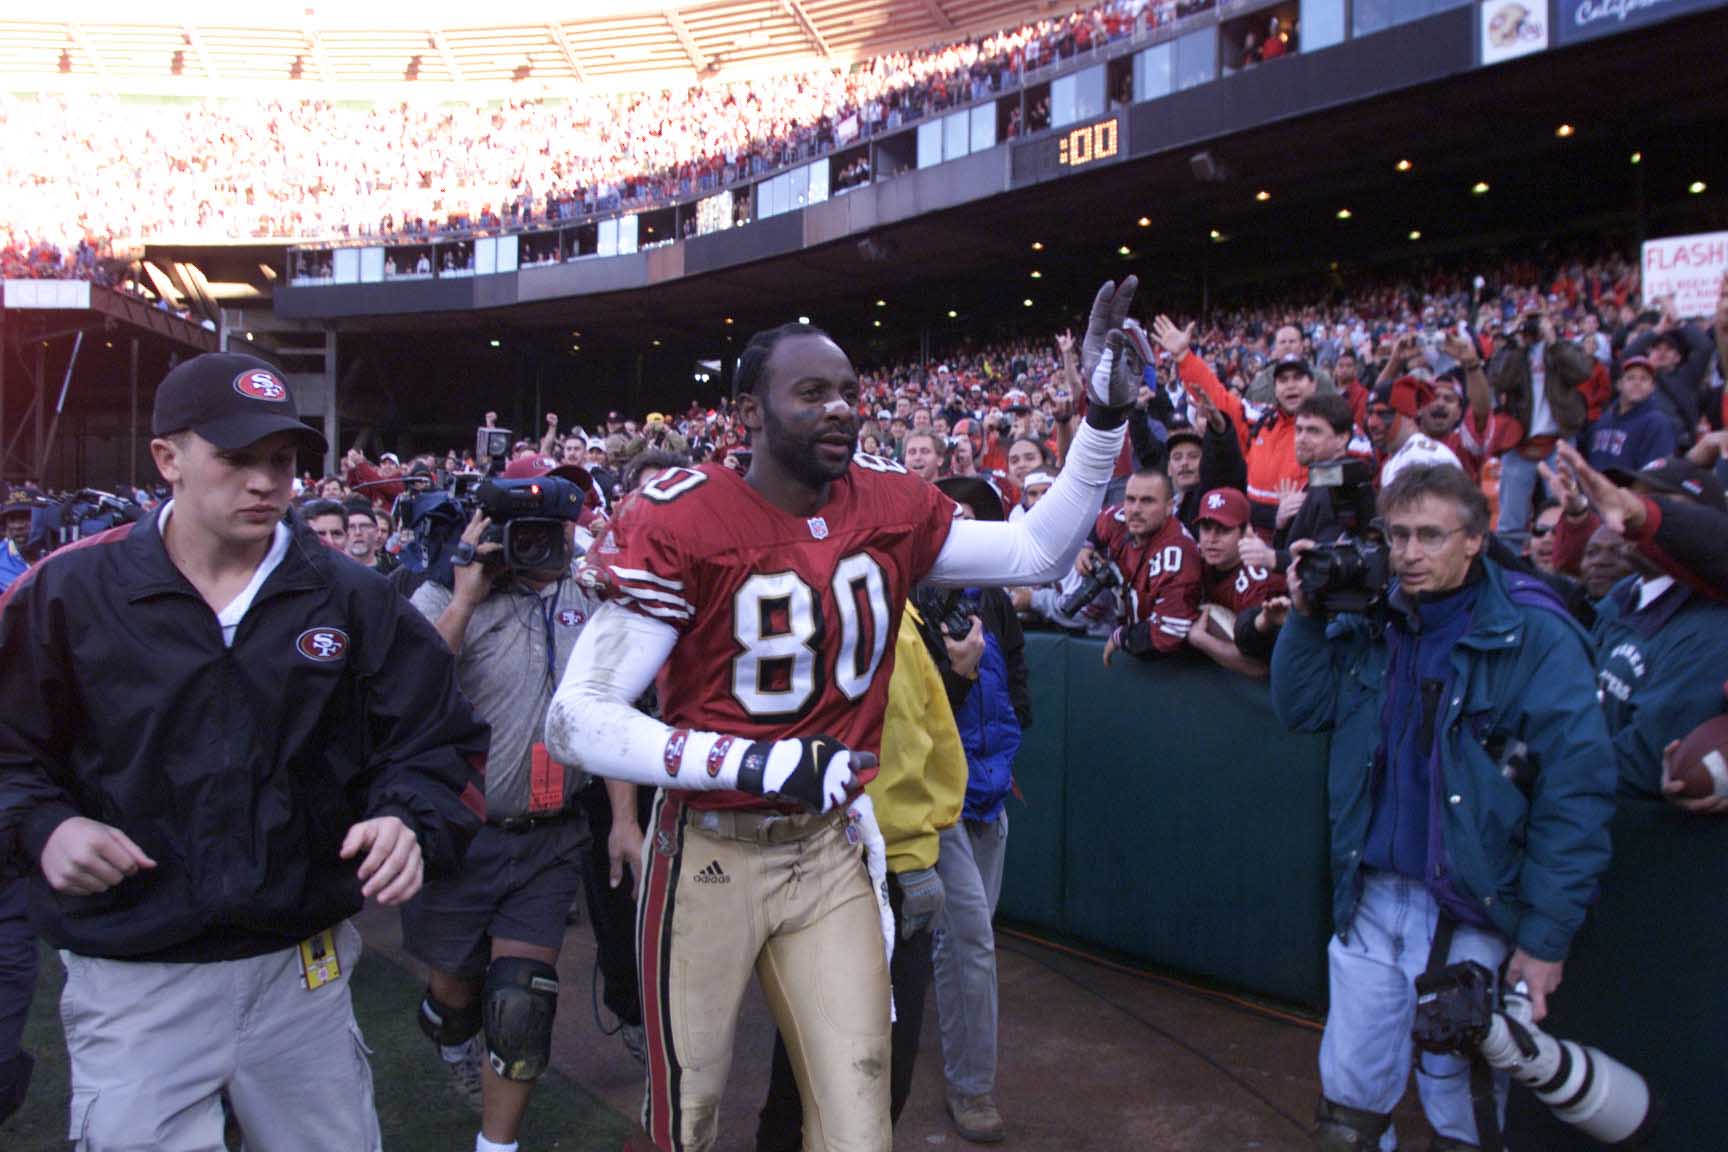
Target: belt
x=1538, y=447
x=765, y=827
x=530, y=820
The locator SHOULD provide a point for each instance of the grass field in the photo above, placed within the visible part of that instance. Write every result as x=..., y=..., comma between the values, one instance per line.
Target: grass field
x=415, y=1105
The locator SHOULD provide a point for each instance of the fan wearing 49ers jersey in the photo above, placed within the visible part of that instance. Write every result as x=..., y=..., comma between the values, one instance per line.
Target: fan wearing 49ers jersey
x=766, y=605
x=1235, y=590
x=1160, y=568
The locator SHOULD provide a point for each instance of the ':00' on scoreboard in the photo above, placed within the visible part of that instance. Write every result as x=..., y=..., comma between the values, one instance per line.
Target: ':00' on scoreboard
x=1068, y=150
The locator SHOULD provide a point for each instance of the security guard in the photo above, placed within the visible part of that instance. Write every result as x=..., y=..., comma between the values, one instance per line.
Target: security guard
x=219, y=739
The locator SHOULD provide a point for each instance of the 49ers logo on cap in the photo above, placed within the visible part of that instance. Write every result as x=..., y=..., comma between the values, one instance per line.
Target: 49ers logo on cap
x=1216, y=500
x=323, y=645
x=261, y=384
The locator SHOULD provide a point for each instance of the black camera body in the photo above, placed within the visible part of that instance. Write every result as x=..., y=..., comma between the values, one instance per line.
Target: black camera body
x=950, y=610
x=1349, y=573
x=528, y=519
x=1105, y=575
x=1454, y=1008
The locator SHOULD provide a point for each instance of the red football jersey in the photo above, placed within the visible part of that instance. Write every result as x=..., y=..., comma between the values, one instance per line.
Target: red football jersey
x=1161, y=577
x=786, y=624
x=1242, y=587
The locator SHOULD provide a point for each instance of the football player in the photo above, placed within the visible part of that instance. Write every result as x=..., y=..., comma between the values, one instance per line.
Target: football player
x=766, y=605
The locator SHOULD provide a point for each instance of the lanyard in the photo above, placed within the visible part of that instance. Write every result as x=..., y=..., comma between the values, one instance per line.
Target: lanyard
x=549, y=616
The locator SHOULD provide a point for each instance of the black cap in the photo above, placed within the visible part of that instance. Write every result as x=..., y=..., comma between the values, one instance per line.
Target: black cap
x=1672, y=338
x=230, y=400
x=614, y=417
x=1297, y=362
x=976, y=493
x=18, y=501
x=1676, y=475
x=1184, y=434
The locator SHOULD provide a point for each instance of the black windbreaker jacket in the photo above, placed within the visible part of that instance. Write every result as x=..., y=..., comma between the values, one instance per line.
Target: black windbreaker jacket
x=239, y=771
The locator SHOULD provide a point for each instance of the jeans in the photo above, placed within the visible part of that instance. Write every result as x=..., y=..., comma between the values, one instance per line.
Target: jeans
x=1518, y=482
x=973, y=853
x=1366, y=1049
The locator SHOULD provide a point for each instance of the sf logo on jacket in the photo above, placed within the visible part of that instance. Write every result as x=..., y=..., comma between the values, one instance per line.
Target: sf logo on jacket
x=322, y=645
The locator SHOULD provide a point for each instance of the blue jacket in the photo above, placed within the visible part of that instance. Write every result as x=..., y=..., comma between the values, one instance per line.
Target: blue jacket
x=1660, y=672
x=1632, y=439
x=1527, y=852
x=994, y=712
x=12, y=564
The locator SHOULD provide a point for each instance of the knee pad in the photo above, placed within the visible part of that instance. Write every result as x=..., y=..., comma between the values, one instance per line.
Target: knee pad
x=446, y=1025
x=1344, y=1129
x=520, y=999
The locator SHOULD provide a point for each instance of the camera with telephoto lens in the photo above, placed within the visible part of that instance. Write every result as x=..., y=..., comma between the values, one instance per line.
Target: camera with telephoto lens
x=951, y=610
x=1350, y=572
x=1105, y=575
x=1581, y=1085
x=528, y=519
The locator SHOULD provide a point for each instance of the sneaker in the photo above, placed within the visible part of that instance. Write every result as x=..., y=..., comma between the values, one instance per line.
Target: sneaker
x=466, y=1076
x=977, y=1118
x=635, y=1041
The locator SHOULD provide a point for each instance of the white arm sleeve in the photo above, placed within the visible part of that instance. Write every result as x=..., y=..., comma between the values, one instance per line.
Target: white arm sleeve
x=1040, y=546
x=593, y=723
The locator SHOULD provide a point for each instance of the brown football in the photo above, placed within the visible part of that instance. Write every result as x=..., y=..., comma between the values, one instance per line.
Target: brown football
x=1701, y=761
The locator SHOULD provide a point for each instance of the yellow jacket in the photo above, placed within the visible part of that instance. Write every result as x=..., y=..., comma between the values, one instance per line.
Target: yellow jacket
x=921, y=781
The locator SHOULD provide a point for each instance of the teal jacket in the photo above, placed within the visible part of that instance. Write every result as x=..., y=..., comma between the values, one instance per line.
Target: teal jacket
x=1660, y=672
x=1527, y=769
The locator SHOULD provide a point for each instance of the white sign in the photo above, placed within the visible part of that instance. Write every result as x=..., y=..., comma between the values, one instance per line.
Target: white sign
x=1688, y=268
x=1512, y=28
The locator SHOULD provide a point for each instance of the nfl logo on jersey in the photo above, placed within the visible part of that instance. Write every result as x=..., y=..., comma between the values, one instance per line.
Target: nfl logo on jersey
x=818, y=527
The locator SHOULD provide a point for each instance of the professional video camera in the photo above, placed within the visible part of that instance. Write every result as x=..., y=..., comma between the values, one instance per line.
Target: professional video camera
x=1583, y=1086
x=1350, y=572
x=89, y=511
x=528, y=518
x=1105, y=575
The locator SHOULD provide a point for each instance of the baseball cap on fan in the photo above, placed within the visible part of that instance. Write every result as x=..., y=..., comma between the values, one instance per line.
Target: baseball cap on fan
x=230, y=400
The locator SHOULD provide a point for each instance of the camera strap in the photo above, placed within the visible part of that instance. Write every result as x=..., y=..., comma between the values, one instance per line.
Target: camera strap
x=1482, y=1103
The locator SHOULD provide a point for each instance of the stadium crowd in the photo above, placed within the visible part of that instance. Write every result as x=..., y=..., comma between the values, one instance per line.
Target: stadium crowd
x=1402, y=419
x=86, y=170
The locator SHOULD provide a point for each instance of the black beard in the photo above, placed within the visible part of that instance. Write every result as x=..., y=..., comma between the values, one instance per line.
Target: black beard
x=798, y=455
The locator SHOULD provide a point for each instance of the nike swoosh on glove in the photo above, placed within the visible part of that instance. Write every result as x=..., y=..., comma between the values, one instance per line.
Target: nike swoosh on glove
x=813, y=771
x=922, y=898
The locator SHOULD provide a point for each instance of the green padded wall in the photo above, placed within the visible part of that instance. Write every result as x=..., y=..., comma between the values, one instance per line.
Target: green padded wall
x=1171, y=818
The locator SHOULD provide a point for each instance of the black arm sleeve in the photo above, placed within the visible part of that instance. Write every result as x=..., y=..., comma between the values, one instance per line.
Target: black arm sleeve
x=1221, y=462
x=1250, y=641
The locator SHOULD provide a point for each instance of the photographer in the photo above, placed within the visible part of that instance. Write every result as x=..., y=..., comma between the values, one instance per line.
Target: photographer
x=490, y=935
x=991, y=717
x=15, y=558
x=1471, y=783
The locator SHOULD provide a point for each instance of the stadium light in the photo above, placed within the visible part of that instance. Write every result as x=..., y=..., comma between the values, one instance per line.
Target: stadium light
x=876, y=323
x=495, y=343
x=1564, y=131
x=1215, y=234
x=1144, y=221
x=1035, y=274
x=1263, y=195
x=1637, y=157
x=1415, y=233
x=1345, y=213
x=249, y=336
x=1480, y=188
x=727, y=321
x=803, y=319
x=1697, y=187
x=881, y=303
x=953, y=315
x=1026, y=303
x=1037, y=245
x=1122, y=251
x=1404, y=166
x=656, y=343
